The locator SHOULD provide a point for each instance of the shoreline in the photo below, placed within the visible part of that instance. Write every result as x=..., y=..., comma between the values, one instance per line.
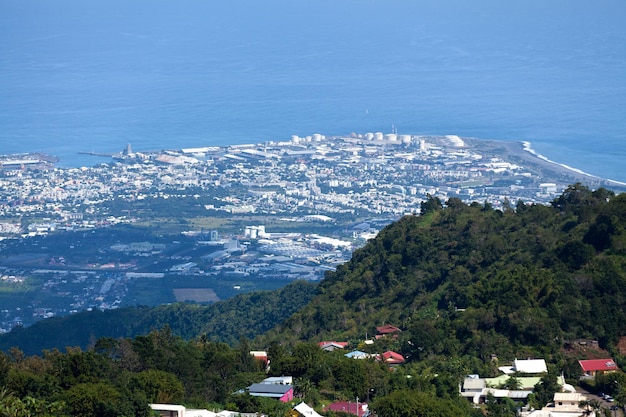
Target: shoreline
x=522, y=153
x=527, y=147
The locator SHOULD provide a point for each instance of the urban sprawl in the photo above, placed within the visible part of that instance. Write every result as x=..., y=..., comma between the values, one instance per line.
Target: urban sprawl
x=348, y=187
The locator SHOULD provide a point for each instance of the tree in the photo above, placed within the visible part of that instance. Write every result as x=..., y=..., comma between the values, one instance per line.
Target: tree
x=620, y=396
x=584, y=404
x=158, y=386
x=431, y=204
x=306, y=361
x=408, y=403
x=12, y=406
x=512, y=383
x=246, y=363
x=102, y=400
x=504, y=407
x=543, y=392
x=76, y=366
x=595, y=406
x=302, y=386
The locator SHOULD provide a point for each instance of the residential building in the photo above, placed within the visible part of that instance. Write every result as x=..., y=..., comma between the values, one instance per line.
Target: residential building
x=303, y=410
x=329, y=346
x=593, y=367
x=392, y=358
x=173, y=410
x=358, y=409
x=387, y=330
x=527, y=366
x=280, y=392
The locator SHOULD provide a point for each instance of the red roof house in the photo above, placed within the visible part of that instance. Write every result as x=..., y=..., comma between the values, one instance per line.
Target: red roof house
x=332, y=345
x=392, y=358
x=592, y=367
x=387, y=330
x=357, y=409
x=260, y=355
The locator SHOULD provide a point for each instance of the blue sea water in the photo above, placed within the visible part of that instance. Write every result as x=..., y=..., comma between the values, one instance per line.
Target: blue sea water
x=95, y=75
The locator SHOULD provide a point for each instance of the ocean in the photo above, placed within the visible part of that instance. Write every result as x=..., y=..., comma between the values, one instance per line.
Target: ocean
x=94, y=76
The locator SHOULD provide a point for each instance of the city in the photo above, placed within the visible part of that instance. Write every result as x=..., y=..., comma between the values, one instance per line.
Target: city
x=203, y=224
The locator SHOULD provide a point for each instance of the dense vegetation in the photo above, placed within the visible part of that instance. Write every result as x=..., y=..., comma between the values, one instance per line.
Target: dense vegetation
x=471, y=287
x=245, y=315
x=470, y=280
x=121, y=377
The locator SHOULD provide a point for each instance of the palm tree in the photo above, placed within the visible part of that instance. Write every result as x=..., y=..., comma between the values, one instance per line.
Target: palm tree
x=302, y=387
x=590, y=406
x=586, y=405
x=620, y=397
x=595, y=405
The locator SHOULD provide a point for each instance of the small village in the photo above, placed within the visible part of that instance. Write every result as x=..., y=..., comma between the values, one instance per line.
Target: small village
x=220, y=221
x=515, y=382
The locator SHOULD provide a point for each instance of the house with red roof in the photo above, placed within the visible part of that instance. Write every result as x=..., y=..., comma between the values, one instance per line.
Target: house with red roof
x=392, y=358
x=260, y=355
x=329, y=346
x=387, y=330
x=355, y=408
x=593, y=367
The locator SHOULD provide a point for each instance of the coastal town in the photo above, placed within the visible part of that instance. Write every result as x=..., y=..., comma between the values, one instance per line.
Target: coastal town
x=244, y=217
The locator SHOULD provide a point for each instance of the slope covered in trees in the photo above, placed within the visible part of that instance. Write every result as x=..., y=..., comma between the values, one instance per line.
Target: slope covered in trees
x=466, y=283
x=458, y=279
x=246, y=315
x=470, y=280
x=121, y=377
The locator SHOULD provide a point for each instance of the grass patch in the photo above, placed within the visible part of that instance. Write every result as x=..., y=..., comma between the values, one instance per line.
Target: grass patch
x=198, y=295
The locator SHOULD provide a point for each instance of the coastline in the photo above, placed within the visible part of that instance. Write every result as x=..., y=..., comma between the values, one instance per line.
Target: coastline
x=527, y=147
x=521, y=152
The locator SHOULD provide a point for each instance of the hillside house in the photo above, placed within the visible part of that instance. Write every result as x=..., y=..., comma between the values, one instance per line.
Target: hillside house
x=476, y=389
x=392, y=358
x=280, y=392
x=566, y=404
x=472, y=388
x=355, y=408
x=282, y=380
x=357, y=354
x=303, y=410
x=527, y=366
x=593, y=367
x=329, y=346
x=174, y=410
x=387, y=331
x=568, y=401
x=280, y=388
x=261, y=356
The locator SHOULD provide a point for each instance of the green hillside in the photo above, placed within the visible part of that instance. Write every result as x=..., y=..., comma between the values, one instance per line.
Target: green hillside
x=471, y=280
x=469, y=286
x=458, y=279
x=246, y=315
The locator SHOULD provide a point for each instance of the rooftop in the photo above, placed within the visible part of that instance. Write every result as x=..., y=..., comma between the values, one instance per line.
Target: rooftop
x=598, y=365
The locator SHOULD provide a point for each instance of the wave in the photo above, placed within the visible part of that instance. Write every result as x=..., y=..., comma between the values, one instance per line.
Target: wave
x=527, y=147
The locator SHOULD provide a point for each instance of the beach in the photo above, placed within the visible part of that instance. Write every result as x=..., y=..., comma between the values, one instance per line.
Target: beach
x=522, y=153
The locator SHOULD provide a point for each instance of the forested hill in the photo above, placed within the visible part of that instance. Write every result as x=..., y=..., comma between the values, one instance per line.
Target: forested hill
x=458, y=280
x=246, y=315
x=470, y=280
